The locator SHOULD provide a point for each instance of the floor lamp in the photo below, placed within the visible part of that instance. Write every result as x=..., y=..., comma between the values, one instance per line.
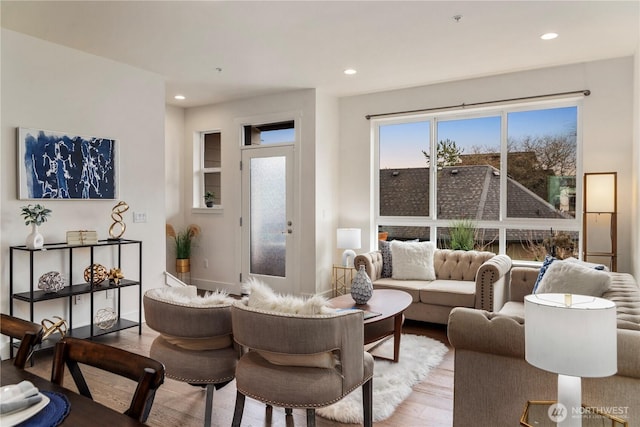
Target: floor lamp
x=600, y=206
x=573, y=336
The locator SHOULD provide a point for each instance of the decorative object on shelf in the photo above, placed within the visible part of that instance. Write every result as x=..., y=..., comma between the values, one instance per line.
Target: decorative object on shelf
x=183, y=240
x=361, y=287
x=567, y=350
x=52, y=281
x=34, y=215
x=105, y=318
x=82, y=237
x=99, y=274
x=115, y=274
x=348, y=239
x=209, y=198
x=66, y=166
x=118, y=224
x=51, y=327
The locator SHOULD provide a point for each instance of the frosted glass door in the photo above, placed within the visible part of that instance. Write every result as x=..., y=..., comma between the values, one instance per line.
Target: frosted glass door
x=268, y=216
x=267, y=224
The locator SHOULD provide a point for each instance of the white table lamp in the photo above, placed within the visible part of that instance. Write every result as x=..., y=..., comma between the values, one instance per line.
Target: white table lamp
x=573, y=336
x=348, y=239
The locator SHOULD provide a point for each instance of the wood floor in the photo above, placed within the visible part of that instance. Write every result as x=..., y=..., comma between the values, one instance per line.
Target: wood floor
x=180, y=405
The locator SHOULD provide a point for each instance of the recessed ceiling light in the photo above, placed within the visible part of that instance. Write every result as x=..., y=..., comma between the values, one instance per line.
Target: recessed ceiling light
x=549, y=36
x=179, y=97
x=350, y=71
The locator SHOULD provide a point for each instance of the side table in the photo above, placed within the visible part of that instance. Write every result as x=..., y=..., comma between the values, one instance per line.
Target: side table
x=341, y=279
x=540, y=413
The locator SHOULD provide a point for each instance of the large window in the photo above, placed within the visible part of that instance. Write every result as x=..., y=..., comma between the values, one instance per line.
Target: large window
x=505, y=178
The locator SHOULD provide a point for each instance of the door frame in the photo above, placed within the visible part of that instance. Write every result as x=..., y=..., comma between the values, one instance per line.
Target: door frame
x=293, y=260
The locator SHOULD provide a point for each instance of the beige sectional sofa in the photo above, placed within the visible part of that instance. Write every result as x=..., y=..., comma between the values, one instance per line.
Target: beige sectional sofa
x=463, y=279
x=493, y=381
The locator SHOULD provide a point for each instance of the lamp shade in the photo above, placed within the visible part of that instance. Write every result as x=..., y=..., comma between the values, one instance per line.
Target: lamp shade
x=577, y=339
x=600, y=192
x=348, y=238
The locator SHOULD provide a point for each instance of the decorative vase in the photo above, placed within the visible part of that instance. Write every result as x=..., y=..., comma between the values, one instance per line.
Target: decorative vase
x=361, y=287
x=183, y=266
x=34, y=239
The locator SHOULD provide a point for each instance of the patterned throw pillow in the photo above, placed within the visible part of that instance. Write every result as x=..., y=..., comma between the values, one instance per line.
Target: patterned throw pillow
x=385, y=248
x=545, y=266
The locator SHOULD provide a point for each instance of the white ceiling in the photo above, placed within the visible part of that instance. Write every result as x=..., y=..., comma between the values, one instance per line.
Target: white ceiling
x=267, y=46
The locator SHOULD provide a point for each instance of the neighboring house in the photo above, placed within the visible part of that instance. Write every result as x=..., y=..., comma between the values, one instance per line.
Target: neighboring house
x=464, y=192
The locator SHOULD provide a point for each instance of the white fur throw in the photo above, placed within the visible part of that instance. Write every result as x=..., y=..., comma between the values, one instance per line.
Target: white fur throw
x=573, y=278
x=188, y=296
x=413, y=260
x=262, y=297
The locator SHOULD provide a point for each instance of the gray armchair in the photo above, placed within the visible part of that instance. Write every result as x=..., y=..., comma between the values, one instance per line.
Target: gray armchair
x=300, y=361
x=195, y=342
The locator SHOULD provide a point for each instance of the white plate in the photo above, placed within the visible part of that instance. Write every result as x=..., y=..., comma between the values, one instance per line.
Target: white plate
x=14, y=418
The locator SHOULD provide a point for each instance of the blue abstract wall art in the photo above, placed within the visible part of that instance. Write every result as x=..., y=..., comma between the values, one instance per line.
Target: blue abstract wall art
x=55, y=165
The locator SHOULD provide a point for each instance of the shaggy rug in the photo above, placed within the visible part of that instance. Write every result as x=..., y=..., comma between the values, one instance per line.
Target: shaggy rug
x=392, y=382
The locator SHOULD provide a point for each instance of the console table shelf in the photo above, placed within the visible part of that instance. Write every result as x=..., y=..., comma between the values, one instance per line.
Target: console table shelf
x=18, y=258
x=69, y=291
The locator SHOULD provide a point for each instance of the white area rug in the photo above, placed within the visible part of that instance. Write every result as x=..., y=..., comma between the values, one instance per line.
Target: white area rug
x=392, y=382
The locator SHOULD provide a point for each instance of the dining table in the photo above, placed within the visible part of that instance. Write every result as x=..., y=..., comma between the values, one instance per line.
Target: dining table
x=82, y=410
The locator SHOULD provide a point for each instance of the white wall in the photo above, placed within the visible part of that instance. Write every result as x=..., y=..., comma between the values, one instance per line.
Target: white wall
x=607, y=130
x=174, y=171
x=51, y=87
x=220, y=240
x=326, y=189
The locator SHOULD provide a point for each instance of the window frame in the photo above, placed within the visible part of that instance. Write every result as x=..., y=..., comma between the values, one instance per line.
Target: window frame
x=199, y=172
x=503, y=223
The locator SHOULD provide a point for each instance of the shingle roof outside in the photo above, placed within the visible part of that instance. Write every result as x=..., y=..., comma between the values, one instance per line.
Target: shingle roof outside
x=464, y=192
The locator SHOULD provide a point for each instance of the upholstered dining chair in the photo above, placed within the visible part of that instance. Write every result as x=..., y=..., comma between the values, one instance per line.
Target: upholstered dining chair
x=195, y=342
x=146, y=372
x=300, y=361
x=29, y=334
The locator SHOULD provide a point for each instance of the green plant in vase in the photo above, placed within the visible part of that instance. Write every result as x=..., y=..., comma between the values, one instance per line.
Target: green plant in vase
x=34, y=215
x=209, y=198
x=183, y=240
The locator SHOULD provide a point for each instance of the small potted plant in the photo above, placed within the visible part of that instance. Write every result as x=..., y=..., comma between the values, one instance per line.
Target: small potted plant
x=209, y=197
x=34, y=215
x=183, y=240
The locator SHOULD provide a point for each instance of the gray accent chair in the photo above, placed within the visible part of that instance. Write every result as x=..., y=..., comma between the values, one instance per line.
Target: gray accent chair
x=300, y=361
x=195, y=344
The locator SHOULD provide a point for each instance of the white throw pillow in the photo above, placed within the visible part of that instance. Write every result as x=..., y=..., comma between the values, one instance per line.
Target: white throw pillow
x=600, y=267
x=573, y=278
x=413, y=260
